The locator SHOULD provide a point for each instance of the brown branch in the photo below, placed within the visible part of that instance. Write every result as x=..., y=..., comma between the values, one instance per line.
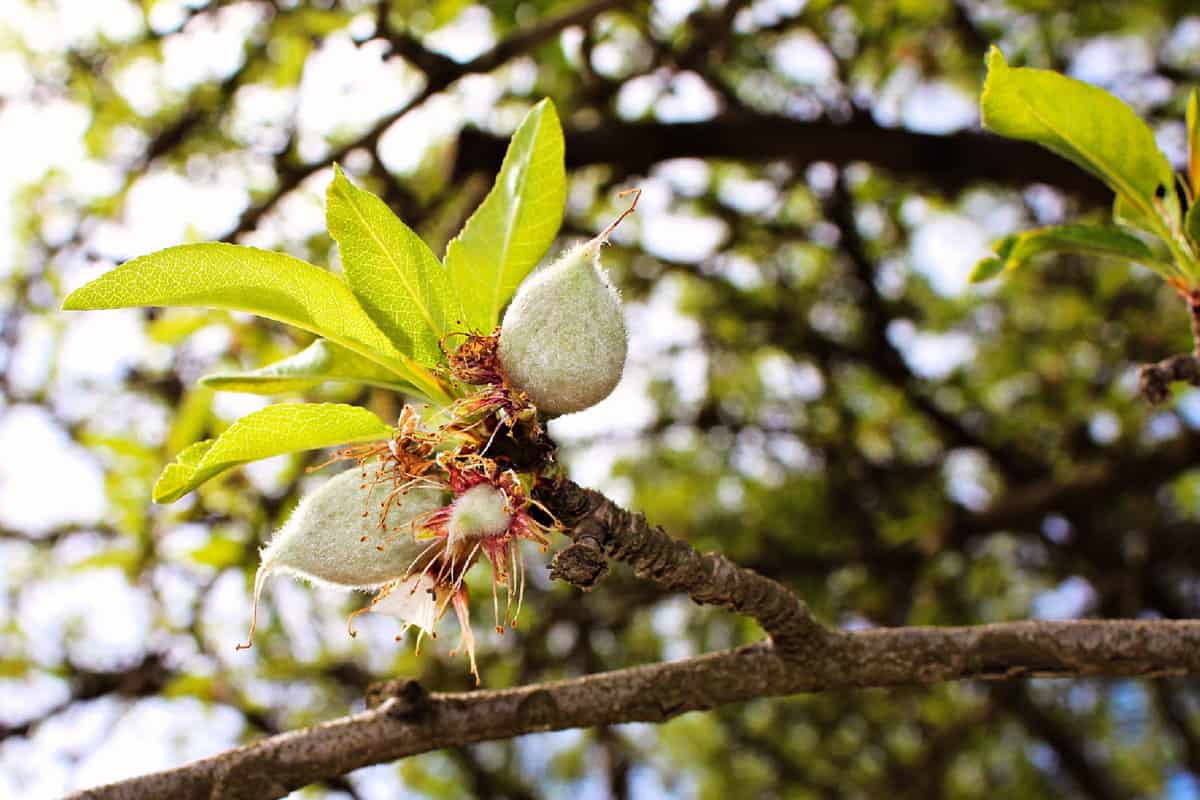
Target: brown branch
x=400, y=727
x=948, y=163
x=601, y=529
x=1154, y=380
x=803, y=657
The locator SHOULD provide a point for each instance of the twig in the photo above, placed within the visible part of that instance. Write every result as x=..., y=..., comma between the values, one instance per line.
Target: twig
x=602, y=529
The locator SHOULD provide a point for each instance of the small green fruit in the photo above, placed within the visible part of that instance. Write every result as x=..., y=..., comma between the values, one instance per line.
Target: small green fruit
x=334, y=537
x=479, y=511
x=563, y=338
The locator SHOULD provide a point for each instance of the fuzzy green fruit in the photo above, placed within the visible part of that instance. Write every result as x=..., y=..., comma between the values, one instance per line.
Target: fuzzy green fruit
x=329, y=540
x=563, y=337
x=480, y=511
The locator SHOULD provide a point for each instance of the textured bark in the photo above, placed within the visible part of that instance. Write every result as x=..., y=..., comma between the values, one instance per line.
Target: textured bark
x=947, y=163
x=600, y=526
x=802, y=656
x=401, y=726
x=1154, y=380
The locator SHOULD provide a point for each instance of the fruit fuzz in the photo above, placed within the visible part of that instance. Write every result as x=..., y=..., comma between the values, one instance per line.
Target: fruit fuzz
x=334, y=538
x=563, y=339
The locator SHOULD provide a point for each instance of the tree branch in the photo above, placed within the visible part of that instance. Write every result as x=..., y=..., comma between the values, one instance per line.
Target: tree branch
x=1093, y=778
x=600, y=528
x=1154, y=380
x=948, y=162
x=144, y=679
x=399, y=727
x=445, y=73
x=803, y=657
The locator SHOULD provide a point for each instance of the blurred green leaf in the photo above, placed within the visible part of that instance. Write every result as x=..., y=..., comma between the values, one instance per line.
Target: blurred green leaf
x=191, y=419
x=12, y=667
x=272, y=431
x=397, y=279
x=1085, y=124
x=516, y=223
x=1013, y=251
x=219, y=552
x=122, y=557
x=1191, y=226
x=272, y=285
x=174, y=326
x=1193, y=143
x=201, y=686
x=321, y=361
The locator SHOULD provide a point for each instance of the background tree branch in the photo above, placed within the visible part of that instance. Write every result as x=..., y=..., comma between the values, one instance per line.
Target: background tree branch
x=945, y=163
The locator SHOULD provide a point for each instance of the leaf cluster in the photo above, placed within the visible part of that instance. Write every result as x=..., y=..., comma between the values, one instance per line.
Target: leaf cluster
x=382, y=323
x=1153, y=224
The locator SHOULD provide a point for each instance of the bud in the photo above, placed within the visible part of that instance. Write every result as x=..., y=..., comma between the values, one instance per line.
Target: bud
x=563, y=337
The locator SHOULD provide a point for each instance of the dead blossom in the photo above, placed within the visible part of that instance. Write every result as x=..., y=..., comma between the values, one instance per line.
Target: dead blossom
x=379, y=522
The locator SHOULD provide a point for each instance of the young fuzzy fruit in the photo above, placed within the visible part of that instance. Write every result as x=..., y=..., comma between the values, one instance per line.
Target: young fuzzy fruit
x=480, y=511
x=563, y=337
x=333, y=538
x=329, y=540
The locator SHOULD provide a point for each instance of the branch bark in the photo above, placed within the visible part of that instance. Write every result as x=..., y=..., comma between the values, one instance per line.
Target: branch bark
x=949, y=162
x=601, y=529
x=802, y=656
x=399, y=727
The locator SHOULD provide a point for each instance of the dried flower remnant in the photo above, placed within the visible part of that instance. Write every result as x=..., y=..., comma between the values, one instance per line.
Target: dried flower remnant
x=491, y=514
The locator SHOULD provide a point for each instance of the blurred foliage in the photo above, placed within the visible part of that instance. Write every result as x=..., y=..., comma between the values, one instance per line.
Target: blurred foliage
x=814, y=391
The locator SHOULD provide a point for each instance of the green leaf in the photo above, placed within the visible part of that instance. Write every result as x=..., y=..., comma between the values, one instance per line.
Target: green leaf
x=515, y=224
x=1086, y=125
x=219, y=552
x=237, y=278
x=180, y=471
x=1191, y=226
x=319, y=362
x=1013, y=251
x=272, y=431
x=124, y=558
x=398, y=280
x=1193, y=138
x=191, y=419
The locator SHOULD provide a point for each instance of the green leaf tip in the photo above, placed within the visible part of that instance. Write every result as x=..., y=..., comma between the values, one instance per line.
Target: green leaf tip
x=1193, y=142
x=271, y=431
x=1088, y=126
x=515, y=224
x=393, y=274
x=1013, y=251
x=986, y=269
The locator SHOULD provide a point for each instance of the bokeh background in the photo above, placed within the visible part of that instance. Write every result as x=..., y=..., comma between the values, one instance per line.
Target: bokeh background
x=814, y=389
